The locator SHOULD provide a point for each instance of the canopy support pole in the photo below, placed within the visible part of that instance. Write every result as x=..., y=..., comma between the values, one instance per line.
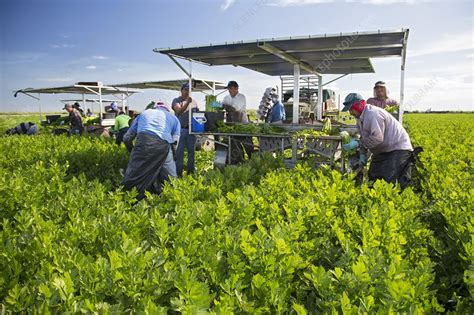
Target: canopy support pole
x=39, y=102
x=402, y=77
x=123, y=104
x=287, y=57
x=100, y=105
x=188, y=74
x=83, y=101
x=296, y=93
x=340, y=77
x=319, y=106
x=296, y=107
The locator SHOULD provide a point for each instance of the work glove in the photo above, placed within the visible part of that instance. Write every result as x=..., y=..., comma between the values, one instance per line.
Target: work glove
x=363, y=159
x=351, y=145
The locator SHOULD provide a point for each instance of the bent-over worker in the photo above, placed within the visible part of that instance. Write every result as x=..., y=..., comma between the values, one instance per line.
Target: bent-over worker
x=24, y=128
x=151, y=159
x=384, y=137
x=121, y=126
x=75, y=120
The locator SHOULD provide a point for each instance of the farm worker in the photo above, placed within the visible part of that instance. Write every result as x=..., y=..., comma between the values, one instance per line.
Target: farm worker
x=386, y=139
x=277, y=115
x=121, y=126
x=235, y=105
x=24, y=128
x=114, y=107
x=151, y=160
x=75, y=120
x=381, y=98
x=77, y=106
x=89, y=113
x=181, y=106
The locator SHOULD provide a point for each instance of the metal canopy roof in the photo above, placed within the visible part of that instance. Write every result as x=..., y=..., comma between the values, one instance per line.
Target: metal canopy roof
x=80, y=89
x=88, y=100
x=197, y=85
x=323, y=54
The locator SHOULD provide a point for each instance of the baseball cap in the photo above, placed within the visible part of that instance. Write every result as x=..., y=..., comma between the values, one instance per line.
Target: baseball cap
x=232, y=84
x=350, y=99
x=185, y=86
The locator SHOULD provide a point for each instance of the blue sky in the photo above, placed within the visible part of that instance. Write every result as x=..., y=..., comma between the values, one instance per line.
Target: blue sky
x=46, y=43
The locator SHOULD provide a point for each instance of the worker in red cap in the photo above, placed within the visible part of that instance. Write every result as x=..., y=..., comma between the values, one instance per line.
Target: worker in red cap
x=384, y=137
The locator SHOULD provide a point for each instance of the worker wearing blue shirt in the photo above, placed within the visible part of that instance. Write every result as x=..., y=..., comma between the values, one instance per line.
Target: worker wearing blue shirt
x=277, y=115
x=151, y=159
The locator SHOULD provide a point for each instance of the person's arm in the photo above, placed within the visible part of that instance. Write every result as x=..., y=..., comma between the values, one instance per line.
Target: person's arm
x=392, y=102
x=180, y=108
x=176, y=132
x=373, y=131
x=131, y=134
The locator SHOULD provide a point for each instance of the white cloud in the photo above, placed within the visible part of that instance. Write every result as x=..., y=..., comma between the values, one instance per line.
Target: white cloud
x=385, y=2
x=62, y=46
x=91, y=67
x=449, y=43
x=287, y=3
x=99, y=57
x=227, y=4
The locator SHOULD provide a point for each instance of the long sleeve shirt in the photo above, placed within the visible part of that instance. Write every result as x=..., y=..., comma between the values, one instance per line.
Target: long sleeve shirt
x=75, y=119
x=382, y=103
x=158, y=122
x=278, y=112
x=380, y=132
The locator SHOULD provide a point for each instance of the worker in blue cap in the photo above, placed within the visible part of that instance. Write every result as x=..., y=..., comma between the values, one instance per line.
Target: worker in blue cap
x=385, y=137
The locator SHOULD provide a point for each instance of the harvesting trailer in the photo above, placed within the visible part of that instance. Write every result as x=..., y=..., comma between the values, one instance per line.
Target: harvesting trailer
x=308, y=98
x=339, y=54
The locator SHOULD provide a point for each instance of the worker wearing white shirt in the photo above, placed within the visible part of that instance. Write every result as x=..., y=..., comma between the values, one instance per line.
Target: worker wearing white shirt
x=235, y=104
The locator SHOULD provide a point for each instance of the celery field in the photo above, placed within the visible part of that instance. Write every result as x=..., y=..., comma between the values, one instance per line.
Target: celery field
x=253, y=239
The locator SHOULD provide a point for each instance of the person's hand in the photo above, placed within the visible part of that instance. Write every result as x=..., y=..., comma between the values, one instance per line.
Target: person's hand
x=228, y=108
x=363, y=159
x=351, y=145
x=189, y=100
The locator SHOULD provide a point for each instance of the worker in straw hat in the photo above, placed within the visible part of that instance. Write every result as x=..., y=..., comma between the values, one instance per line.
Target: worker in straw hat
x=381, y=98
x=384, y=137
x=152, y=160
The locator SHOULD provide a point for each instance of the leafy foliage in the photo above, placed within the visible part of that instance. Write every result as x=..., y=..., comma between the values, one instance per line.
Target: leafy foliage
x=256, y=238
